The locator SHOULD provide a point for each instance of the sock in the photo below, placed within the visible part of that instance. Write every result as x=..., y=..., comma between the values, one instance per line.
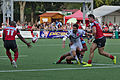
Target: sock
x=61, y=58
x=89, y=61
x=81, y=58
x=112, y=57
x=9, y=55
x=16, y=56
x=76, y=58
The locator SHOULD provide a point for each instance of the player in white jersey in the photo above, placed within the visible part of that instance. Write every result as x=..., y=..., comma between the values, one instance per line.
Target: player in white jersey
x=75, y=42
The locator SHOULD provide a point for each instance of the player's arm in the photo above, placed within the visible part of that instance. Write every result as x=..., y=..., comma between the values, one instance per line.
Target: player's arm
x=64, y=38
x=63, y=42
x=94, y=31
x=22, y=39
x=93, y=34
x=3, y=35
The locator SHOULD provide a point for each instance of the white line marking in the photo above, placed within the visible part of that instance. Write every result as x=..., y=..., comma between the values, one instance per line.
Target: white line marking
x=102, y=64
x=42, y=45
x=13, y=56
x=58, y=69
x=6, y=57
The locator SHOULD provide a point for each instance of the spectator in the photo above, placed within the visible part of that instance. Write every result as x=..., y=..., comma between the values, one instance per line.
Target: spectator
x=29, y=27
x=110, y=24
x=34, y=27
x=3, y=25
x=19, y=26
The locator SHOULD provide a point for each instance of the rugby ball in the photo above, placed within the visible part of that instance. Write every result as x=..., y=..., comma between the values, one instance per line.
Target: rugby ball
x=34, y=39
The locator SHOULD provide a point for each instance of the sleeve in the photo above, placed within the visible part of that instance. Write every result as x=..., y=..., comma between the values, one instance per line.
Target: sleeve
x=67, y=35
x=4, y=31
x=18, y=32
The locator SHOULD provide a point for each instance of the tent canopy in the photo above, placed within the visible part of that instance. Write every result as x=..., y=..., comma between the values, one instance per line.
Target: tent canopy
x=78, y=15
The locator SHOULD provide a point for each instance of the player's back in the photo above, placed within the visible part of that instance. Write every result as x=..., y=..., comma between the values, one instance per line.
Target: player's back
x=10, y=33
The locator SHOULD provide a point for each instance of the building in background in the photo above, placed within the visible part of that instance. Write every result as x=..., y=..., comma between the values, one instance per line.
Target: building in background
x=51, y=17
x=107, y=14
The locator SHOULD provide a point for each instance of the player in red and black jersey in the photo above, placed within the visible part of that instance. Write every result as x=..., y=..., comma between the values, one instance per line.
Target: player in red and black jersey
x=9, y=34
x=99, y=41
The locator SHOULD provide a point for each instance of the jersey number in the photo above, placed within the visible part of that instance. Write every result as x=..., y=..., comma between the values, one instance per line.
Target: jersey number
x=8, y=32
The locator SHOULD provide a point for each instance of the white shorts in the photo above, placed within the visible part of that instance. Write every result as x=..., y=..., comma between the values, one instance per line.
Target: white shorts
x=76, y=45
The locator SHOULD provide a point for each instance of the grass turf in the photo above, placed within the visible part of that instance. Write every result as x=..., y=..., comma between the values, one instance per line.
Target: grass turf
x=46, y=51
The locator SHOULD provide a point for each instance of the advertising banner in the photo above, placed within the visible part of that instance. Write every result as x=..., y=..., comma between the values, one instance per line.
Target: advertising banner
x=52, y=34
x=108, y=34
x=28, y=34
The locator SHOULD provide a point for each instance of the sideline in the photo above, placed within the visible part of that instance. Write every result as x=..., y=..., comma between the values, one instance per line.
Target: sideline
x=59, y=69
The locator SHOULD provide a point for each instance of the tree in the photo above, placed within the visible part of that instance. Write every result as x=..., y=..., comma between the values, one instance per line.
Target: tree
x=98, y=3
x=108, y=2
x=115, y=2
x=22, y=7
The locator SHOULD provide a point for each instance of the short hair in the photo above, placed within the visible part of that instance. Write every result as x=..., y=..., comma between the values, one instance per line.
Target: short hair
x=91, y=15
x=13, y=23
x=76, y=25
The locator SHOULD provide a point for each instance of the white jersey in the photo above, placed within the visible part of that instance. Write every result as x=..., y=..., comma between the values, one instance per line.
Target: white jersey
x=75, y=37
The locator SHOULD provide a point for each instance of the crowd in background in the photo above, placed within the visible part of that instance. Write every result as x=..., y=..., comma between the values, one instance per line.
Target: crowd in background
x=55, y=26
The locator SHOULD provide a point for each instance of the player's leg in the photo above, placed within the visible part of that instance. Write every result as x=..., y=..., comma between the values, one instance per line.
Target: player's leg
x=63, y=57
x=9, y=55
x=69, y=58
x=15, y=50
x=81, y=57
x=15, y=54
x=7, y=45
x=82, y=53
x=75, y=56
x=92, y=49
x=102, y=52
x=15, y=57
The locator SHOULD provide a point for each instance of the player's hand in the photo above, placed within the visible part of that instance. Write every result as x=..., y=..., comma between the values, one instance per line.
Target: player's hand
x=89, y=41
x=29, y=45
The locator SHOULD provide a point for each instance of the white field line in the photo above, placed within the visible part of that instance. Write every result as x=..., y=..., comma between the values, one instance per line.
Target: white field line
x=41, y=45
x=60, y=69
x=13, y=56
x=6, y=57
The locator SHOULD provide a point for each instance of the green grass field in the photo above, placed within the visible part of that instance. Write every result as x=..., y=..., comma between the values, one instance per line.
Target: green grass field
x=36, y=63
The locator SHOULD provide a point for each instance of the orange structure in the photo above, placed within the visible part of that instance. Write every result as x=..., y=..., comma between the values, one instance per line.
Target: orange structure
x=51, y=17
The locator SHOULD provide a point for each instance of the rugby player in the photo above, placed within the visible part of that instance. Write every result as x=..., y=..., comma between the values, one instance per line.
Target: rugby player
x=74, y=36
x=9, y=34
x=99, y=41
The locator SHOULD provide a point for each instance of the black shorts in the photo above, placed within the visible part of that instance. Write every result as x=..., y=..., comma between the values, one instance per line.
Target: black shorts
x=10, y=44
x=100, y=42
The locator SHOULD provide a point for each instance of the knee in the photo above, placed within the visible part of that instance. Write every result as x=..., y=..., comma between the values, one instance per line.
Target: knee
x=91, y=50
x=67, y=58
x=101, y=52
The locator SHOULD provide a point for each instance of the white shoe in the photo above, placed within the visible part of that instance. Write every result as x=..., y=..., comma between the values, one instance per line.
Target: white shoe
x=14, y=64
